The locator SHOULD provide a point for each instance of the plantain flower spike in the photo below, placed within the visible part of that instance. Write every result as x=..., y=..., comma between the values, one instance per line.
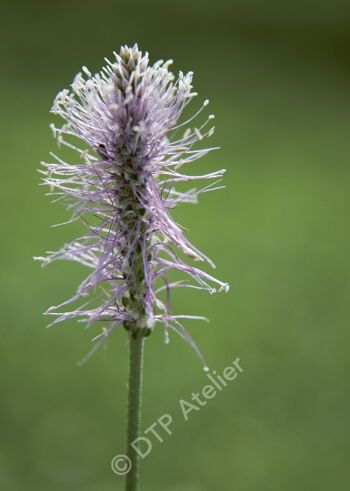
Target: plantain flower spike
x=122, y=188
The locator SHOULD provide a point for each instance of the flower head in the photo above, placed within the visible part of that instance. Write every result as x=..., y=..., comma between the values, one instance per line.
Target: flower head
x=126, y=117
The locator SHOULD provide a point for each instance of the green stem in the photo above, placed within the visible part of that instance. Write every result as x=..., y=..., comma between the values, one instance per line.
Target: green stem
x=134, y=407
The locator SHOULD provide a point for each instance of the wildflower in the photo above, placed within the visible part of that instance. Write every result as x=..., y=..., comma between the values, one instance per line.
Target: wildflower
x=127, y=117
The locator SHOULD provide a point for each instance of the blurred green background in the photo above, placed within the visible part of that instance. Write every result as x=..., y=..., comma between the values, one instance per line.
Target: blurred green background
x=278, y=79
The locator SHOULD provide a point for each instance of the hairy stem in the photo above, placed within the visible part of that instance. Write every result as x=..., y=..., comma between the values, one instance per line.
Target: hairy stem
x=134, y=407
